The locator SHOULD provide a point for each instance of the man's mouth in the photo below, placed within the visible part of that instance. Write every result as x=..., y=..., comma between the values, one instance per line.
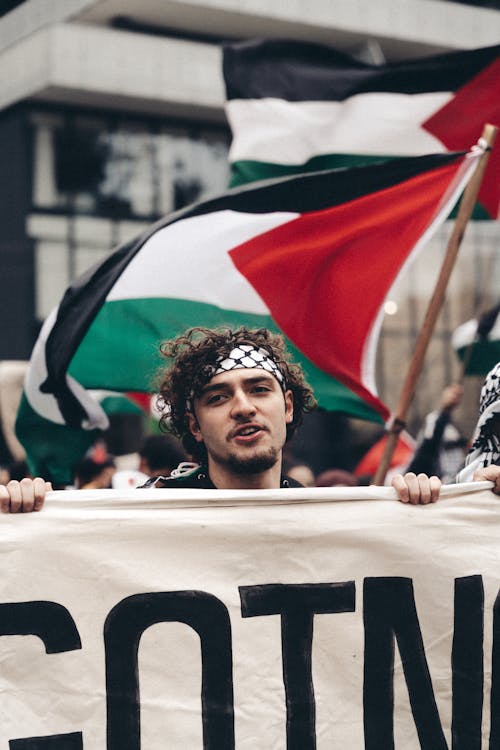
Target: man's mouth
x=246, y=432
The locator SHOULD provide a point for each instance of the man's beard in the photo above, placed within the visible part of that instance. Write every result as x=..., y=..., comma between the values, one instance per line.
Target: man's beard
x=253, y=464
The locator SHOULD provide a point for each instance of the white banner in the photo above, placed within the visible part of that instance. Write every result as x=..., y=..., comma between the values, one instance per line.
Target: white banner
x=295, y=619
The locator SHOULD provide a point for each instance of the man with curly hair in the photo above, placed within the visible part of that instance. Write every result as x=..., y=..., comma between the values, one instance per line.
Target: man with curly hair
x=234, y=398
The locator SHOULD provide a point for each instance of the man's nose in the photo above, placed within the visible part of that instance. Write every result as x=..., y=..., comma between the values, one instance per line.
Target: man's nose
x=242, y=404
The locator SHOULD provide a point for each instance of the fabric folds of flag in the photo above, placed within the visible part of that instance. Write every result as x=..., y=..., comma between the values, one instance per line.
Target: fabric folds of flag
x=477, y=342
x=296, y=106
x=312, y=256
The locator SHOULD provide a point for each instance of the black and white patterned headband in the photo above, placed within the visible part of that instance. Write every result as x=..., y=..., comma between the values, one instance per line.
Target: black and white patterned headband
x=248, y=356
x=243, y=356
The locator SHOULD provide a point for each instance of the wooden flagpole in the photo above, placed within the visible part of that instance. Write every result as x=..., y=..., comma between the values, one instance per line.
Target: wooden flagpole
x=408, y=390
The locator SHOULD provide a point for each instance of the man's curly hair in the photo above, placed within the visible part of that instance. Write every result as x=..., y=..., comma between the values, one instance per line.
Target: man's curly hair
x=194, y=357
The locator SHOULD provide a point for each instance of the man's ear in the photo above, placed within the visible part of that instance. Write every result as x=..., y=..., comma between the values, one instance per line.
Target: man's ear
x=288, y=407
x=194, y=428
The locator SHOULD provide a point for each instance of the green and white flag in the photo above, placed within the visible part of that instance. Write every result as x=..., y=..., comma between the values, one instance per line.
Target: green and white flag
x=312, y=256
x=295, y=107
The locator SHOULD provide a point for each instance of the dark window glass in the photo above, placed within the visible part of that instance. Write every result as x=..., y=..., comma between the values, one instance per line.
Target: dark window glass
x=124, y=169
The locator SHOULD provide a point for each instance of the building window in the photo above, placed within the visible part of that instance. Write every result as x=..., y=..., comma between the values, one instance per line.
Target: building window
x=124, y=168
x=99, y=181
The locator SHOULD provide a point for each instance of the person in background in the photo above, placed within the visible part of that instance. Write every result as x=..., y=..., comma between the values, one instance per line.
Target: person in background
x=159, y=455
x=485, y=448
x=94, y=475
x=440, y=446
x=482, y=461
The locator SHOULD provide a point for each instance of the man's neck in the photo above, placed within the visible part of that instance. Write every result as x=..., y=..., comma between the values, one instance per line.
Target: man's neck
x=225, y=479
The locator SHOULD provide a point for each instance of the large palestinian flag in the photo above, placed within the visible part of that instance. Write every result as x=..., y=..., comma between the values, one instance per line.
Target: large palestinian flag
x=295, y=107
x=312, y=256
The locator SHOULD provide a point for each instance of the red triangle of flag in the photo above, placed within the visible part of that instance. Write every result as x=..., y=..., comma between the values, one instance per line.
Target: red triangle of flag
x=325, y=274
x=460, y=123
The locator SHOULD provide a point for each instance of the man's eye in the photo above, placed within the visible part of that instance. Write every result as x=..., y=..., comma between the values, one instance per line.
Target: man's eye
x=214, y=398
x=261, y=389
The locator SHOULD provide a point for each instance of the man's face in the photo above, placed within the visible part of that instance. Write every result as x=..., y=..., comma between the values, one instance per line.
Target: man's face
x=241, y=417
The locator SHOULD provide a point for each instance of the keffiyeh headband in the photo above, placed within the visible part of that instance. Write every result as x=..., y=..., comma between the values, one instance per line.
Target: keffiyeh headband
x=244, y=356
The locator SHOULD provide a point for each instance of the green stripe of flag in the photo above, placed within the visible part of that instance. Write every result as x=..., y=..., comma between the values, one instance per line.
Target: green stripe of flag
x=244, y=171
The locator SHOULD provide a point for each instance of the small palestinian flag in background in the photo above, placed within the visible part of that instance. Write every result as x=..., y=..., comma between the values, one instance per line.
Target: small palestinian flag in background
x=477, y=342
x=312, y=256
x=401, y=458
x=296, y=107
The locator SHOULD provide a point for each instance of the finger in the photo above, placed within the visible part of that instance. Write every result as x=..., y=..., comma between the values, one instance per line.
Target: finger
x=40, y=488
x=4, y=499
x=496, y=484
x=435, y=485
x=15, y=496
x=413, y=485
x=27, y=495
x=424, y=489
x=399, y=484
